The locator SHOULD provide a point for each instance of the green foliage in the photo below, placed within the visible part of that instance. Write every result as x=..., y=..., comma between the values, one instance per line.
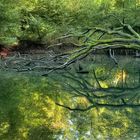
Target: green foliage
x=45, y=20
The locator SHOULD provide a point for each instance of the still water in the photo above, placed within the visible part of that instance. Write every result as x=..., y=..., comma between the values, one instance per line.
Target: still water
x=93, y=99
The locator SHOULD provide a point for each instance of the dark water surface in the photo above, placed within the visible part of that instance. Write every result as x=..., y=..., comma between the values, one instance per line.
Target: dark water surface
x=105, y=97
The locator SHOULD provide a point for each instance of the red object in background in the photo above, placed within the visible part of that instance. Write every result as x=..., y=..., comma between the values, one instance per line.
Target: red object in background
x=4, y=53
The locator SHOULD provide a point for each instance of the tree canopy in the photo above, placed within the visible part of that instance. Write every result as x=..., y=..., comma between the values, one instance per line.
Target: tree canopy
x=44, y=20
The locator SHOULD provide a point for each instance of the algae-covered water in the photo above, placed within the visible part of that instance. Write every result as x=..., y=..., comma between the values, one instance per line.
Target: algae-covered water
x=105, y=98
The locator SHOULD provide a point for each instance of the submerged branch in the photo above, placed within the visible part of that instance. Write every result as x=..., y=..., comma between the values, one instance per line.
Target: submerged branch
x=98, y=105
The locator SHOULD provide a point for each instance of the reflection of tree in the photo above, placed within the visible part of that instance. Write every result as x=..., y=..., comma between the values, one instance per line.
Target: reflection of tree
x=26, y=112
x=100, y=95
x=39, y=117
x=41, y=132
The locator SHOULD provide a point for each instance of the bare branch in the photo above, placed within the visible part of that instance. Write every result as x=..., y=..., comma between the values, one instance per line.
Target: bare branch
x=98, y=105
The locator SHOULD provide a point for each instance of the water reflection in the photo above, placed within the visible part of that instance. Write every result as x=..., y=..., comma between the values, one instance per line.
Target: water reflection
x=104, y=84
x=105, y=98
x=109, y=93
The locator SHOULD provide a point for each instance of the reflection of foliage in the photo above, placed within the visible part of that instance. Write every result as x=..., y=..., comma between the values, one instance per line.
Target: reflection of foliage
x=101, y=94
x=42, y=133
x=112, y=104
x=102, y=124
x=26, y=110
x=28, y=107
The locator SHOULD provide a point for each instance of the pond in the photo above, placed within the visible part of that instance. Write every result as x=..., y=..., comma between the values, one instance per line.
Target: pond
x=94, y=98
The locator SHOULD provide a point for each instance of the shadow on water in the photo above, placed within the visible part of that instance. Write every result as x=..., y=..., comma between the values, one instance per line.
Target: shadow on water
x=28, y=108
